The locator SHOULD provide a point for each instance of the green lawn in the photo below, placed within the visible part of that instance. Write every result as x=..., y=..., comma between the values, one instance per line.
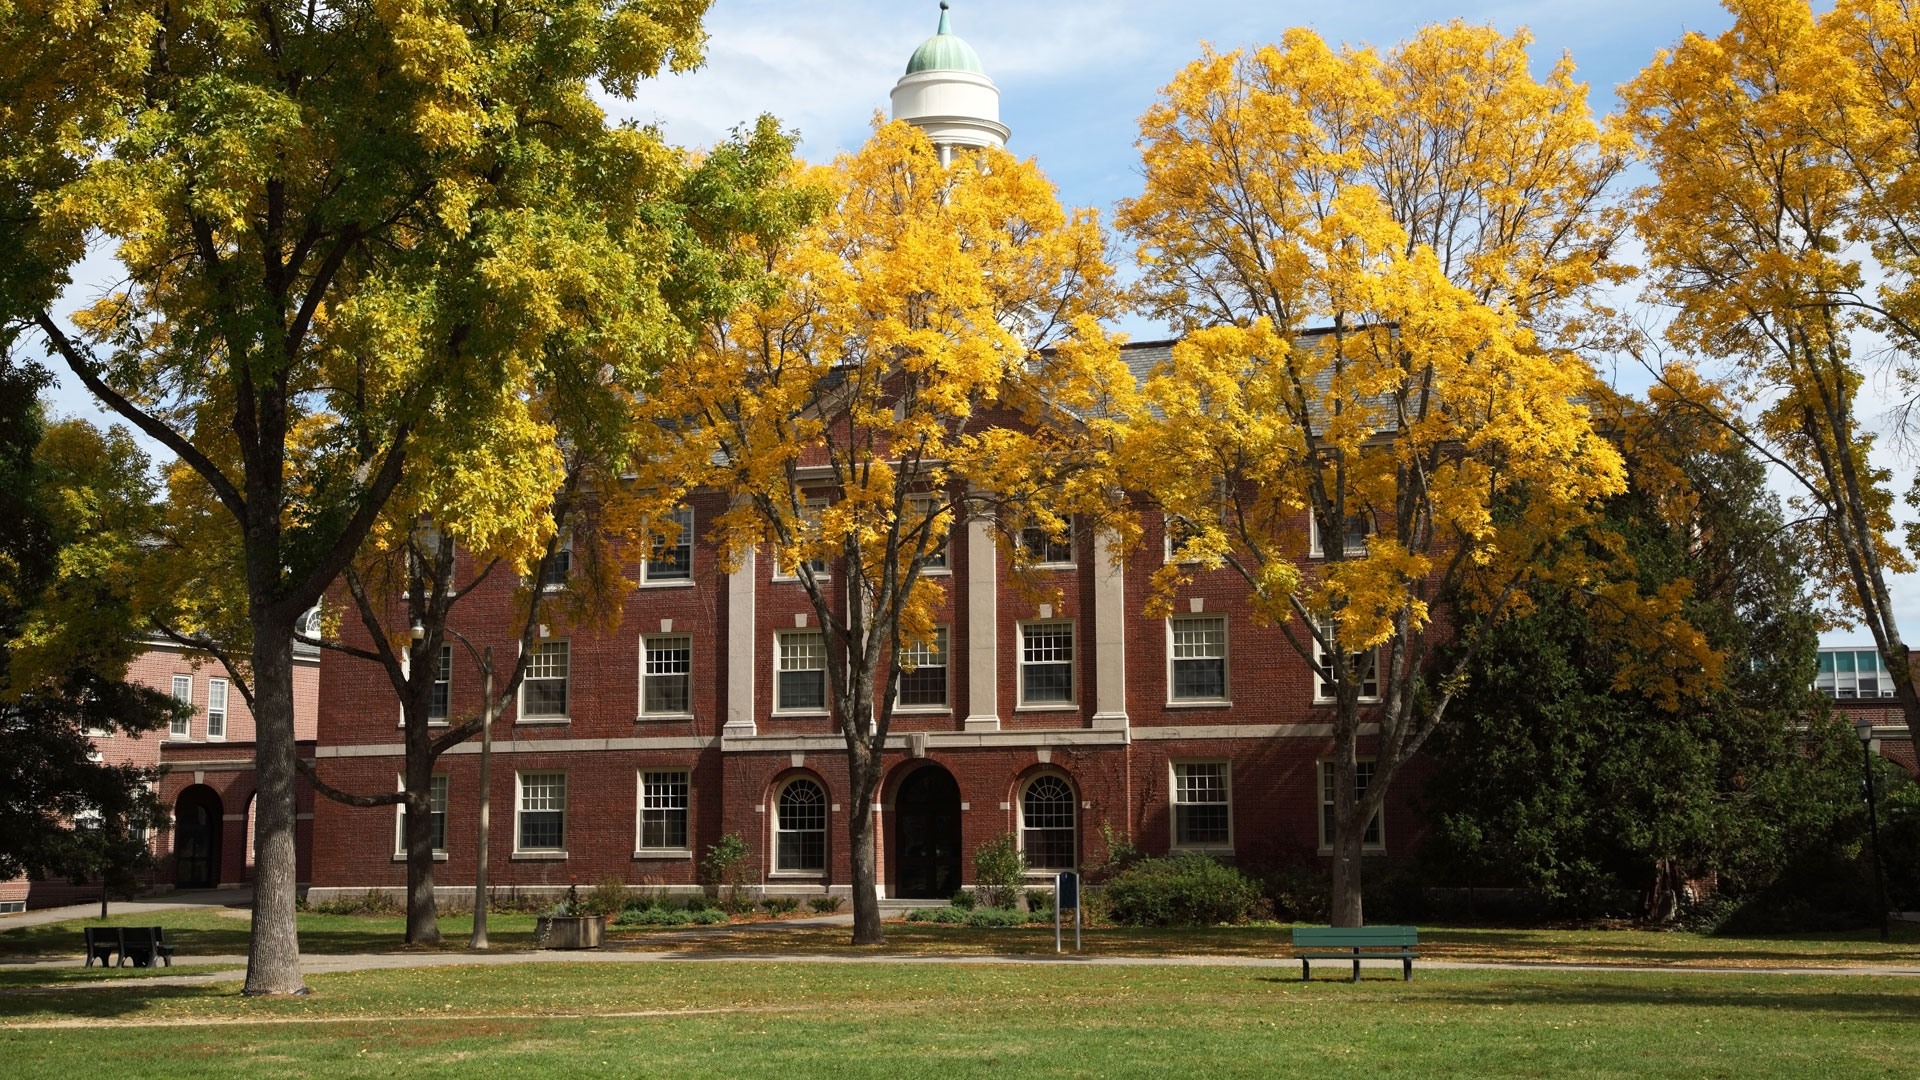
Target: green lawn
x=878, y=1020
x=207, y=932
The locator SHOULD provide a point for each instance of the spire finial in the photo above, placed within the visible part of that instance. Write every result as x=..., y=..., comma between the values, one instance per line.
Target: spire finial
x=944, y=28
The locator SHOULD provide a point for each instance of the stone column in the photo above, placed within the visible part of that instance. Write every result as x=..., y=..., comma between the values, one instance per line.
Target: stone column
x=983, y=627
x=1109, y=635
x=741, y=655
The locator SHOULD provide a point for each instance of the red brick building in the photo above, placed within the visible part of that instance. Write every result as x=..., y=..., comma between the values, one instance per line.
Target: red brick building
x=702, y=715
x=207, y=777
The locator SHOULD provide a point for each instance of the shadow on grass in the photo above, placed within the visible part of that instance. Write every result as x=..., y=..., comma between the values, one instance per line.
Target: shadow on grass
x=119, y=1002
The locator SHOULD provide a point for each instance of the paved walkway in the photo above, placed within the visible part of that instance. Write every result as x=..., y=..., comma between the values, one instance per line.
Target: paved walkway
x=322, y=965
x=168, y=902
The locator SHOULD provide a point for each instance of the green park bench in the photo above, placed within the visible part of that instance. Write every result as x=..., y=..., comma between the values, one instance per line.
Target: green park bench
x=141, y=944
x=1312, y=943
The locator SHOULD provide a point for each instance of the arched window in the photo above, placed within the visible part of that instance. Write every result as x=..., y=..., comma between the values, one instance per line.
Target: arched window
x=1047, y=824
x=800, y=828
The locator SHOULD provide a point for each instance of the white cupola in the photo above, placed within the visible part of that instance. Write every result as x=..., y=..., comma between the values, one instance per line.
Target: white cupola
x=946, y=93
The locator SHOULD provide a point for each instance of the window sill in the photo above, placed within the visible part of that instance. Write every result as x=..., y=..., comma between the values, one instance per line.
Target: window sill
x=1210, y=703
x=1324, y=701
x=798, y=714
x=936, y=571
x=669, y=583
x=543, y=721
x=923, y=710
x=402, y=725
x=538, y=856
x=797, y=875
x=664, y=853
x=1046, y=875
x=1204, y=849
x=553, y=588
x=401, y=856
x=1366, y=849
x=1054, y=566
x=655, y=718
x=1064, y=707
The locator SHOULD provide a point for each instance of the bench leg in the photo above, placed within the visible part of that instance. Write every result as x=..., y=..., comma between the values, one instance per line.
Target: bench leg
x=1406, y=970
x=1356, y=969
x=1303, y=969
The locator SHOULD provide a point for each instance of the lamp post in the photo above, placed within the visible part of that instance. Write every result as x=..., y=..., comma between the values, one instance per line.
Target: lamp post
x=1864, y=729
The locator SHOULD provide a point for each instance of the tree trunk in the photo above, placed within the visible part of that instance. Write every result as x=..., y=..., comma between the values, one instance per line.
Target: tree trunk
x=866, y=892
x=273, y=954
x=478, y=940
x=1349, y=828
x=1346, y=873
x=423, y=921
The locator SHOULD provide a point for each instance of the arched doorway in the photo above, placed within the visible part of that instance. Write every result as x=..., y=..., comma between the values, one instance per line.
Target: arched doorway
x=926, y=831
x=196, y=838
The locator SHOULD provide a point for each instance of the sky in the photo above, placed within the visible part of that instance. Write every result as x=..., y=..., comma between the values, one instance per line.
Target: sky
x=1074, y=77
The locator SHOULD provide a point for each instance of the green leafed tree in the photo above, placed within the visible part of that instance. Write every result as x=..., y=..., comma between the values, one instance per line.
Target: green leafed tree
x=340, y=225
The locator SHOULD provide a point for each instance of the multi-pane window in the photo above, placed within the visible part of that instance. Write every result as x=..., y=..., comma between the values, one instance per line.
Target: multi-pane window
x=800, y=826
x=554, y=574
x=1201, y=812
x=1178, y=532
x=1358, y=527
x=1853, y=673
x=181, y=726
x=1199, y=653
x=810, y=512
x=543, y=811
x=924, y=508
x=1047, y=813
x=543, y=694
x=216, y=708
x=437, y=811
x=663, y=810
x=1046, y=663
x=1363, y=775
x=442, y=696
x=666, y=676
x=923, y=675
x=1361, y=666
x=803, y=671
x=1045, y=549
x=672, y=555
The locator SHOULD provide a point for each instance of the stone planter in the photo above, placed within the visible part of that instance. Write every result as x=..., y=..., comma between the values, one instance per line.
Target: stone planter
x=569, y=931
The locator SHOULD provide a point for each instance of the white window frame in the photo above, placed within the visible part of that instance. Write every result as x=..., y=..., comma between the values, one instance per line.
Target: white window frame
x=944, y=637
x=1052, y=564
x=217, y=690
x=566, y=574
x=1323, y=687
x=439, y=788
x=646, y=644
x=1020, y=818
x=1168, y=523
x=1174, y=803
x=520, y=809
x=683, y=516
x=1020, y=667
x=1326, y=800
x=181, y=729
x=810, y=508
x=520, y=706
x=922, y=506
x=1351, y=551
x=825, y=707
x=443, y=677
x=825, y=830
x=1225, y=658
x=640, y=808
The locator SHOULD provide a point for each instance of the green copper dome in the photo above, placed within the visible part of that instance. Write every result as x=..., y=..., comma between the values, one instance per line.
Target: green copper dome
x=945, y=52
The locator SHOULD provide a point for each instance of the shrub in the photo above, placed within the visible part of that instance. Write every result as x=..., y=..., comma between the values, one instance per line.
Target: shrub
x=920, y=914
x=996, y=917
x=706, y=917
x=999, y=871
x=725, y=868
x=1185, y=890
x=610, y=897
x=700, y=902
x=1040, y=901
x=374, y=902
x=826, y=905
x=652, y=916
x=1298, y=893
x=780, y=905
x=950, y=915
x=964, y=900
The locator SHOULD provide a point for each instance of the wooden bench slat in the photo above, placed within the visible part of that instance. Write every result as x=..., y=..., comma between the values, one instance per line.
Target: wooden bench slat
x=1350, y=936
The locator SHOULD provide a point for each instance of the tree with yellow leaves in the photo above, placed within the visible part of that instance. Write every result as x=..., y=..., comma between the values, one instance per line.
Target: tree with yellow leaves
x=934, y=357
x=1381, y=263
x=1786, y=153
x=337, y=223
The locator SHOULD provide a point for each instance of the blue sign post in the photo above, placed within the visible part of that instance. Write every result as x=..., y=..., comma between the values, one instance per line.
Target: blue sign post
x=1066, y=894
